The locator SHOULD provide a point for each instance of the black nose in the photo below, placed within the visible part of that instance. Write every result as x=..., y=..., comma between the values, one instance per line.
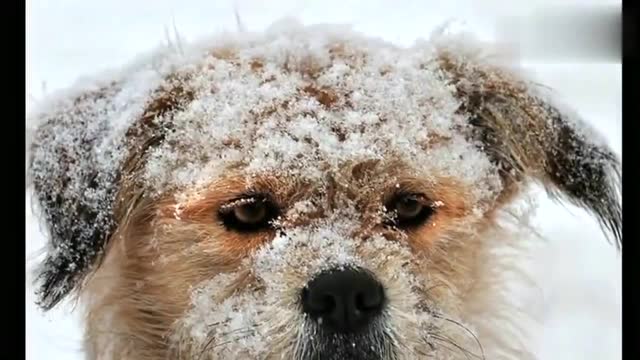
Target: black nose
x=343, y=300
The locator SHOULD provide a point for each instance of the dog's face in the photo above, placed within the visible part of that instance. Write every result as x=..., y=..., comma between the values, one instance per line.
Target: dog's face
x=374, y=260
x=309, y=196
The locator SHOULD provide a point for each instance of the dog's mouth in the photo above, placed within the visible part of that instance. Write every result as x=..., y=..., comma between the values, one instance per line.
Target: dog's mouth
x=369, y=344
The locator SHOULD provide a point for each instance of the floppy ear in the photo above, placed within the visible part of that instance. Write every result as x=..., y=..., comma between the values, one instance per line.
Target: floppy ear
x=528, y=136
x=85, y=156
x=74, y=185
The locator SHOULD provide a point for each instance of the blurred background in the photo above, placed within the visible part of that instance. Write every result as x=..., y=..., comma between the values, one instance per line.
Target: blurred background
x=571, y=46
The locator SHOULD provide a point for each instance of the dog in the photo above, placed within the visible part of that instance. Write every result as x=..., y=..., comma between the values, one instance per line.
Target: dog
x=306, y=192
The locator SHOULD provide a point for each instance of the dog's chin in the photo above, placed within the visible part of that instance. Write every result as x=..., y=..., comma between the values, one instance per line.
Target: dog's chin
x=371, y=343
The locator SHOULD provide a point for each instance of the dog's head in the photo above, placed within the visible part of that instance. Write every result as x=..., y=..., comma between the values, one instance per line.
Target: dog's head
x=307, y=193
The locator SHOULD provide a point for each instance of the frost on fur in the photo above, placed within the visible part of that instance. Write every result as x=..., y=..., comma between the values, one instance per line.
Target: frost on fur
x=265, y=320
x=144, y=156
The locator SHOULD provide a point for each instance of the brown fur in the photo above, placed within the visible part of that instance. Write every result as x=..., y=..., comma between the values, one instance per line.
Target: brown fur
x=151, y=280
x=163, y=246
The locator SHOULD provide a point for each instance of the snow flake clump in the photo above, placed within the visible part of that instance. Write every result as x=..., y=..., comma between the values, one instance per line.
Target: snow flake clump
x=304, y=100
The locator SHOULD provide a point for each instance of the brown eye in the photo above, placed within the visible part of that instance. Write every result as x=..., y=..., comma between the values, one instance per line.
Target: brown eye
x=409, y=210
x=408, y=207
x=252, y=213
x=249, y=214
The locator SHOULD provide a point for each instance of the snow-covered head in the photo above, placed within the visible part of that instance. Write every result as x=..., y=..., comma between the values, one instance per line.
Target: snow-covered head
x=302, y=193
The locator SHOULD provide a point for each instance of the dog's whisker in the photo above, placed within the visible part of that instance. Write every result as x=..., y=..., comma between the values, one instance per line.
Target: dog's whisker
x=210, y=344
x=451, y=350
x=467, y=330
x=466, y=351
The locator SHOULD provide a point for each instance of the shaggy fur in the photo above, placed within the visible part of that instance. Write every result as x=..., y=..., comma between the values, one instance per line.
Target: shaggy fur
x=131, y=171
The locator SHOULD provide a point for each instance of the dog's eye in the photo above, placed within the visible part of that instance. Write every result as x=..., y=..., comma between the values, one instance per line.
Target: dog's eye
x=408, y=210
x=248, y=214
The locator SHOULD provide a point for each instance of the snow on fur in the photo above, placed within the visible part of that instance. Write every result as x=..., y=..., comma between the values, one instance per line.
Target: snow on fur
x=283, y=121
x=378, y=102
x=298, y=102
x=267, y=320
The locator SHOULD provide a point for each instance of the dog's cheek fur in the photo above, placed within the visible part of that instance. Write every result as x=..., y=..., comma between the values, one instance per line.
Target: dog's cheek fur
x=146, y=281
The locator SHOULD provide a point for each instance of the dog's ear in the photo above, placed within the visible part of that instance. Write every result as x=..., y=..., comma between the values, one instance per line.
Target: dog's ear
x=528, y=135
x=72, y=173
x=85, y=157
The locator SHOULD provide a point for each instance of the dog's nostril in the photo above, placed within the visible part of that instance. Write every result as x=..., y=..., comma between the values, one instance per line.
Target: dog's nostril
x=346, y=300
x=370, y=301
x=360, y=302
x=317, y=304
x=329, y=303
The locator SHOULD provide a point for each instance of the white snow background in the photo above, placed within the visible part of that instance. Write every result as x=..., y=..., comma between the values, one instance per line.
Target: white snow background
x=578, y=272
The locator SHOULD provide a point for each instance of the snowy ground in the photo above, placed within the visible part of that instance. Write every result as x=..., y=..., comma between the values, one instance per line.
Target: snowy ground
x=578, y=271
